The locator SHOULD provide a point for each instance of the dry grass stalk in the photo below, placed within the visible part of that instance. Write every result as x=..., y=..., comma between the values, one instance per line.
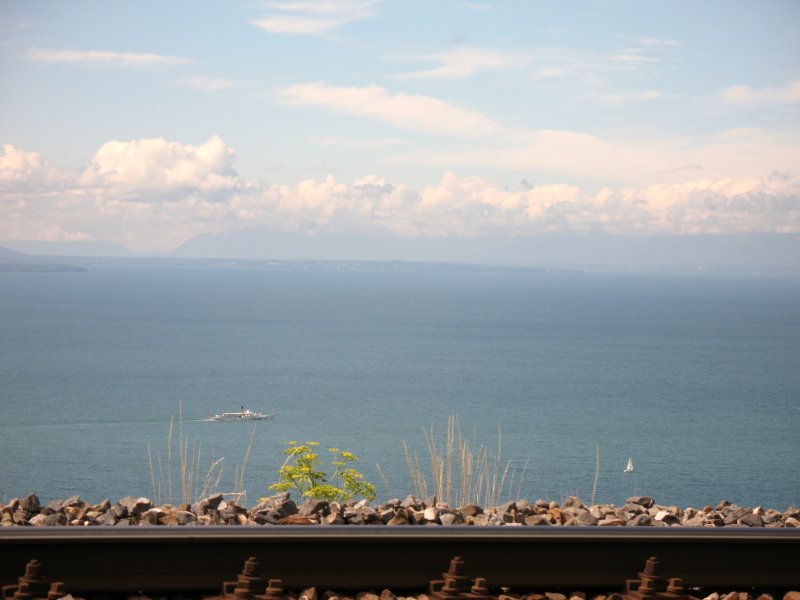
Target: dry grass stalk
x=196, y=480
x=596, y=473
x=483, y=476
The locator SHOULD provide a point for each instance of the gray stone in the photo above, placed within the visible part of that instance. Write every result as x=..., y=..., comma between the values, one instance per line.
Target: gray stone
x=448, y=519
x=53, y=506
x=471, y=510
x=573, y=502
x=37, y=520
x=667, y=517
x=408, y=502
x=400, y=518
x=481, y=520
x=73, y=501
x=314, y=506
x=641, y=520
x=55, y=519
x=585, y=518
x=646, y=501
x=431, y=514
x=30, y=504
x=537, y=520
x=752, y=520
x=107, y=518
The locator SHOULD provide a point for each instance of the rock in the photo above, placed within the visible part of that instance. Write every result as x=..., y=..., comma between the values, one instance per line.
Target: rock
x=30, y=504
x=400, y=518
x=731, y=596
x=470, y=510
x=206, y=505
x=791, y=522
x=314, y=506
x=641, y=520
x=611, y=521
x=335, y=518
x=448, y=519
x=309, y=594
x=55, y=519
x=53, y=506
x=713, y=596
x=106, y=519
x=73, y=501
x=556, y=515
x=480, y=520
x=387, y=595
x=431, y=514
x=185, y=517
x=793, y=595
x=366, y=596
x=765, y=597
x=20, y=517
x=572, y=502
x=752, y=520
x=151, y=517
x=667, y=517
x=387, y=515
x=536, y=520
x=645, y=501
x=135, y=506
x=577, y=596
x=298, y=519
x=408, y=502
x=37, y=520
x=554, y=596
x=585, y=519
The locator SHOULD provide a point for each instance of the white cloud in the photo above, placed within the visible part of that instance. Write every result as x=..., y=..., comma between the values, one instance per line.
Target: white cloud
x=405, y=111
x=156, y=166
x=25, y=171
x=463, y=62
x=744, y=95
x=309, y=17
x=152, y=195
x=100, y=58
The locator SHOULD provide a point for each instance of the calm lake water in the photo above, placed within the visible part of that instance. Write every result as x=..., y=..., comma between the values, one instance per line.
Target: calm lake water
x=695, y=377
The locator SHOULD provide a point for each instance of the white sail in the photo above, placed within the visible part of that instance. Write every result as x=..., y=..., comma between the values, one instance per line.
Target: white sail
x=629, y=468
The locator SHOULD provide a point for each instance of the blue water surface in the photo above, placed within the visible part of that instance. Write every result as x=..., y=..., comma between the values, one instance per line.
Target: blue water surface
x=695, y=377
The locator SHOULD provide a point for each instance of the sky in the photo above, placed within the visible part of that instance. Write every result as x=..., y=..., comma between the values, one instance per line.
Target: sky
x=151, y=123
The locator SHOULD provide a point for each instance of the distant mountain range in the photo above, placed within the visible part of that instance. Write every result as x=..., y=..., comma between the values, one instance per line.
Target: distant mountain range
x=12, y=261
x=741, y=254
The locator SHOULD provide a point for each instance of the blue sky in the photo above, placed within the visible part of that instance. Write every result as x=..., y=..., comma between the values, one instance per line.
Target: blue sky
x=149, y=123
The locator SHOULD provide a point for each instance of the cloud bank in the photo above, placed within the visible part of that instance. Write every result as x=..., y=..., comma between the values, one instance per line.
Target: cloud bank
x=152, y=195
x=100, y=58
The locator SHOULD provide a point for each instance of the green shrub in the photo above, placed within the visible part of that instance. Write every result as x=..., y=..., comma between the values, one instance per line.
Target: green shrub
x=302, y=472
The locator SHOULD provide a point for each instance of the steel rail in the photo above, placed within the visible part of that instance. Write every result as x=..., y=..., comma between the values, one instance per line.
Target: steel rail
x=352, y=557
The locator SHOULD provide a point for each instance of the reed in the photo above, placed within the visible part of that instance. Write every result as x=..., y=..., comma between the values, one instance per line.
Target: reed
x=463, y=472
x=198, y=479
x=596, y=473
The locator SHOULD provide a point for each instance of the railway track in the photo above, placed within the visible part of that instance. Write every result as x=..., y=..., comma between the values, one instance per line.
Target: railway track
x=181, y=559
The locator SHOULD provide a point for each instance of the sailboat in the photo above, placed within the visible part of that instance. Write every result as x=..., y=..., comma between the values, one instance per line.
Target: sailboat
x=629, y=468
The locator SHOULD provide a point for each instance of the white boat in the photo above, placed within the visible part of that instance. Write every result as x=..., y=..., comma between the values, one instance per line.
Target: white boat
x=243, y=415
x=629, y=468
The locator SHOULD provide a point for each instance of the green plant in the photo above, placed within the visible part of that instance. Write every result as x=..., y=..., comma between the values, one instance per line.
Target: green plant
x=301, y=471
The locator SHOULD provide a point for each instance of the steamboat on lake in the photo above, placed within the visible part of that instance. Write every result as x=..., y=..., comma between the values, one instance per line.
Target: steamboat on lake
x=243, y=415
